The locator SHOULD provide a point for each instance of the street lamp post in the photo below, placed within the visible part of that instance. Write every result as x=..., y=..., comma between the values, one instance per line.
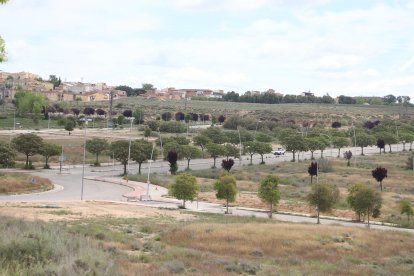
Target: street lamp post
x=84, y=155
x=129, y=147
x=149, y=171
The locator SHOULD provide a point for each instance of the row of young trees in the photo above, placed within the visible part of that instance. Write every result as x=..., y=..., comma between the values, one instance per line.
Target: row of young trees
x=363, y=200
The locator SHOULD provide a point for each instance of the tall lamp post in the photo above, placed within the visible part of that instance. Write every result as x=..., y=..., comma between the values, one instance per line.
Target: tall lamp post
x=147, y=197
x=129, y=147
x=84, y=154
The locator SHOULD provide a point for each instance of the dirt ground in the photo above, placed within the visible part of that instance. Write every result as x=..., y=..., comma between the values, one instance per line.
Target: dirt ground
x=85, y=209
x=250, y=200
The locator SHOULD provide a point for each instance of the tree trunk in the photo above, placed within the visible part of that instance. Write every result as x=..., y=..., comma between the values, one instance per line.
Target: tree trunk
x=311, y=179
x=27, y=161
x=184, y=203
x=381, y=185
x=312, y=158
x=97, y=158
x=125, y=171
x=390, y=147
x=214, y=165
x=298, y=156
x=368, y=217
x=318, y=222
x=251, y=159
x=271, y=210
x=411, y=146
x=188, y=164
x=349, y=162
x=403, y=146
x=227, y=206
x=339, y=152
x=139, y=168
x=293, y=160
x=47, y=161
x=362, y=150
x=321, y=153
x=262, y=159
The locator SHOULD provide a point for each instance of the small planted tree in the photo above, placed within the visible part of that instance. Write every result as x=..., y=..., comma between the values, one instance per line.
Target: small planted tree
x=368, y=202
x=221, y=119
x=323, y=196
x=339, y=143
x=120, y=151
x=269, y=192
x=185, y=187
x=364, y=140
x=313, y=170
x=227, y=164
x=381, y=145
x=188, y=152
x=406, y=208
x=348, y=156
x=142, y=151
x=202, y=141
x=172, y=158
x=379, y=174
x=48, y=150
x=215, y=150
x=96, y=146
x=7, y=155
x=28, y=144
x=351, y=199
x=226, y=189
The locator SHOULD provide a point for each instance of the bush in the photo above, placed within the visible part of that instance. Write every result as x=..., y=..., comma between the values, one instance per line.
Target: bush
x=172, y=127
x=325, y=165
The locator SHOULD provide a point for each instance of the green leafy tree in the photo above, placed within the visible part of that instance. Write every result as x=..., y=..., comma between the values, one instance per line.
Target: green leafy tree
x=407, y=137
x=69, y=125
x=352, y=191
x=54, y=80
x=138, y=116
x=141, y=151
x=339, y=143
x=389, y=139
x=323, y=196
x=226, y=189
x=147, y=132
x=202, y=141
x=120, y=151
x=215, y=134
x=215, y=150
x=313, y=143
x=364, y=140
x=368, y=202
x=185, y=187
x=250, y=149
x=323, y=145
x=263, y=148
x=269, y=192
x=406, y=208
x=28, y=144
x=30, y=103
x=231, y=151
x=7, y=155
x=294, y=143
x=48, y=150
x=172, y=158
x=2, y=44
x=96, y=146
x=188, y=152
x=262, y=137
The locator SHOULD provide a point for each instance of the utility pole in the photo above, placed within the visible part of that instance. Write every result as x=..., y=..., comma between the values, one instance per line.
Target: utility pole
x=111, y=99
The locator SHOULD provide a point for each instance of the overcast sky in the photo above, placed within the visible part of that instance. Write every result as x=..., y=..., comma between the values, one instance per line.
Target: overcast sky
x=338, y=47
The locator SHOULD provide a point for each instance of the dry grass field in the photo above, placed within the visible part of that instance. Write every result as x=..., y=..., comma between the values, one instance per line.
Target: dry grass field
x=15, y=183
x=117, y=239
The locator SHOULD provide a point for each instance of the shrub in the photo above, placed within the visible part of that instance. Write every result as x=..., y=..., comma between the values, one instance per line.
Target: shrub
x=172, y=127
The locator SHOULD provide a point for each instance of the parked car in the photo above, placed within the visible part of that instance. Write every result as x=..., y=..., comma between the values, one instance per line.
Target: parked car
x=279, y=151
